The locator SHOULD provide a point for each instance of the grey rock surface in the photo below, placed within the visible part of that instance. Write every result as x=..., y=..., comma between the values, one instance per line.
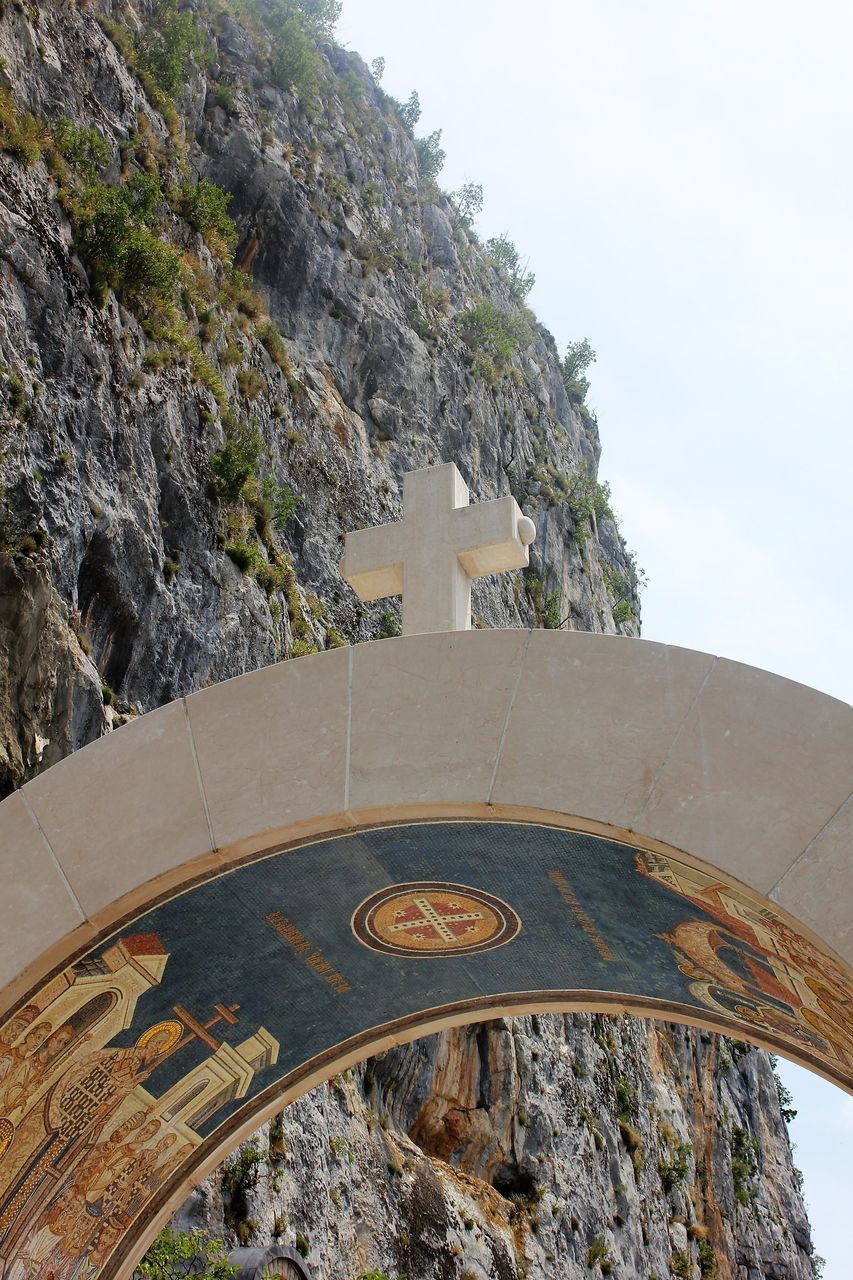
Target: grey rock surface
x=538, y=1147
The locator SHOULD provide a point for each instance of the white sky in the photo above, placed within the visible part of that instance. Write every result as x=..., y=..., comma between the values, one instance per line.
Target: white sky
x=678, y=173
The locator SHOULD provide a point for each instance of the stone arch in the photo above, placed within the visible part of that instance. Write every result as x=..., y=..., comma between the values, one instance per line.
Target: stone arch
x=279, y=1262
x=412, y=834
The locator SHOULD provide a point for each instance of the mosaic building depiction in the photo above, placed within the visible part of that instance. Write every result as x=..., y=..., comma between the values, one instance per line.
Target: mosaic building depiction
x=154, y=1046
x=83, y=1143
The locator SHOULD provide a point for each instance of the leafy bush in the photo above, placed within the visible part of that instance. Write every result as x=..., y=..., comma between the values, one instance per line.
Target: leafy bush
x=579, y=356
x=319, y=16
x=83, y=148
x=430, y=156
x=165, y=48
x=674, y=1171
x=389, y=625
x=149, y=267
x=280, y=502
x=115, y=236
x=586, y=497
x=409, y=111
x=205, y=206
x=598, y=1252
x=296, y=27
x=784, y=1095
x=507, y=259
x=626, y=1098
x=235, y=462
x=246, y=555
x=296, y=61
x=552, y=610
x=744, y=1150
x=500, y=333
x=21, y=134
x=178, y=1254
x=706, y=1257
x=467, y=202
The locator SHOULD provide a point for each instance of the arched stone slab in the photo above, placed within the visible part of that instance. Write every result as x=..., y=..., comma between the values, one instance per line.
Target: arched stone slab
x=279, y=1262
x=220, y=905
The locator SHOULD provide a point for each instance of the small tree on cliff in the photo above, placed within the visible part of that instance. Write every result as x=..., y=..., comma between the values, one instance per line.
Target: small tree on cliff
x=579, y=356
x=175, y=1255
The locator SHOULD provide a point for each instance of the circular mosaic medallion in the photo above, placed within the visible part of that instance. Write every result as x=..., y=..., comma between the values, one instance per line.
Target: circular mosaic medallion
x=432, y=918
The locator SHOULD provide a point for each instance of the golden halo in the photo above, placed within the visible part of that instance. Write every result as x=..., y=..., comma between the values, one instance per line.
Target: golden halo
x=7, y=1133
x=175, y=1030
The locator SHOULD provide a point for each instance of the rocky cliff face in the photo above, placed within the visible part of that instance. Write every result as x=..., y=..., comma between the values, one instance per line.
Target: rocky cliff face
x=342, y=365
x=539, y=1147
x=192, y=414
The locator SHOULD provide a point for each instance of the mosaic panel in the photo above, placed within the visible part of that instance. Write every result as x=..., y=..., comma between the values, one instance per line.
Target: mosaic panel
x=123, y=1069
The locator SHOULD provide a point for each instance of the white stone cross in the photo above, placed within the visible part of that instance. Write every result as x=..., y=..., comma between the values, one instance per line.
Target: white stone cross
x=430, y=556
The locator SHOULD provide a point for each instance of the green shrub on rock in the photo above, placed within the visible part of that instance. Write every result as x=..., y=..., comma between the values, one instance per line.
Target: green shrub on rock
x=117, y=236
x=235, y=462
x=166, y=46
x=205, y=207
x=488, y=328
x=83, y=148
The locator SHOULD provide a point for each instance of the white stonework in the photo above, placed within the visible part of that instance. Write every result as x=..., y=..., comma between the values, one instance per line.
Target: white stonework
x=430, y=556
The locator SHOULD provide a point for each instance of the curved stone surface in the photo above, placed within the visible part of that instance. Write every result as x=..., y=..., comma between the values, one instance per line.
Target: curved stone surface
x=215, y=908
x=270, y=1264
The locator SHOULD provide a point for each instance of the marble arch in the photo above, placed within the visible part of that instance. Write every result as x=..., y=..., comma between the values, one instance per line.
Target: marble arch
x=265, y=882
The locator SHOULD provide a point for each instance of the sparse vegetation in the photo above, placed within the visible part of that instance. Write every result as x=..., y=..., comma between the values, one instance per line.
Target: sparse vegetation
x=430, y=156
x=205, y=207
x=166, y=46
x=744, y=1153
x=118, y=235
x=21, y=134
x=705, y=1254
x=579, y=356
x=679, y=1266
x=673, y=1171
x=497, y=333
x=598, y=1254
x=784, y=1095
x=274, y=344
x=507, y=259
x=235, y=462
x=250, y=383
x=239, y=1176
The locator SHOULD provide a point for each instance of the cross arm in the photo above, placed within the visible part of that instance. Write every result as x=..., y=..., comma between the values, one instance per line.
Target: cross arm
x=487, y=539
x=373, y=561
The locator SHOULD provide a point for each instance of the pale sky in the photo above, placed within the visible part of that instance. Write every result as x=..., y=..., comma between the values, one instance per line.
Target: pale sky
x=678, y=174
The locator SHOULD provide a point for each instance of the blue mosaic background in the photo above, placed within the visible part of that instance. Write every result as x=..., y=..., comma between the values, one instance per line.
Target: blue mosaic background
x=222, y=949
